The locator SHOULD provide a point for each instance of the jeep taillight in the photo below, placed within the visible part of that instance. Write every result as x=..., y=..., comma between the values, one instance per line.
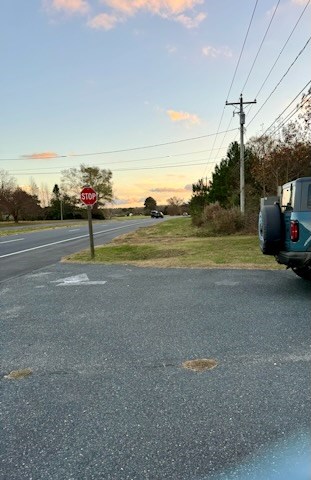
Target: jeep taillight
x=294, y=230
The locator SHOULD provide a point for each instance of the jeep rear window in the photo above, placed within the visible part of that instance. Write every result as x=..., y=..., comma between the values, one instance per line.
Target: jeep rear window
x=288, y=197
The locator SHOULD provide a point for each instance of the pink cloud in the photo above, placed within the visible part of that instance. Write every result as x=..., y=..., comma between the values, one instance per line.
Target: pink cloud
x=160, y=7
x=104, y=21
x=191, y=22
x=183, y=116
x=41, y=156
x=70, y=6
x=168, y=9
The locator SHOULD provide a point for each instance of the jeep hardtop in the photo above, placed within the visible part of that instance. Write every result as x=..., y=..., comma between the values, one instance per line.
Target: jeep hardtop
x=284, y=226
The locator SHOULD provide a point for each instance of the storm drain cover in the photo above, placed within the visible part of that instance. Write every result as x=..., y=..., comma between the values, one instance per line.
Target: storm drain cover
x=200, y=364
x=18, y=374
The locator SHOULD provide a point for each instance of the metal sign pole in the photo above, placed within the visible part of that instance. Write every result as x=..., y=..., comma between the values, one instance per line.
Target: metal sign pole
x=89, y=217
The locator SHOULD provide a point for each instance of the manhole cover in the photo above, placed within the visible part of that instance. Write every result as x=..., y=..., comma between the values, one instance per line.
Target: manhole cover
x=18, y=374
x=200, y=364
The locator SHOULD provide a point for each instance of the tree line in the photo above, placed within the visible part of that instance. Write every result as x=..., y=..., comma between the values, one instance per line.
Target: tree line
x=270, y=161
x=19, y=204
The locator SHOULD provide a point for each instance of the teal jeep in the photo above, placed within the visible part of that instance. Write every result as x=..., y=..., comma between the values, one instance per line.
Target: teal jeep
x=284, y=226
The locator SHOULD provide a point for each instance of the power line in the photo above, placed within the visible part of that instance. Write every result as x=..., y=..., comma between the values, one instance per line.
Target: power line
x=281, y=51
x=288, y=38
x=290, y=115
x=280, y=81
x=155, y=167
x=260, y=46
x=116, y=151
x=234, y=75
x=125, y=161
x=285, y=109
x=248, y=29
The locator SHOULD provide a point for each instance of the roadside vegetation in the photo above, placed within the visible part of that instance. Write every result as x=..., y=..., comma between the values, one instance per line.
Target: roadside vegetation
x=178, y=243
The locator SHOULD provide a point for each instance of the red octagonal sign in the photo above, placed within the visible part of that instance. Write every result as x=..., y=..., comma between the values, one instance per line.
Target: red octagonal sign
x=88, y=196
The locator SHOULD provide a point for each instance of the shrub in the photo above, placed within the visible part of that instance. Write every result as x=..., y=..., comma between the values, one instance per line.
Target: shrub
x=219, y=220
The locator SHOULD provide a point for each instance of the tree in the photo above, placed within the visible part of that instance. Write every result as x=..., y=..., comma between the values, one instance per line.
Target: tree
x=44, y=195
x=199, y=198
x=150, y=204
x=280, y=160
x=305, y=116
x=19, y=203
x=33, y=187
x=62, y=206
x=174, y=205
x=7, y=186
x=74, y=179
x=7, y=182
x=56, y=192
x=224, y=187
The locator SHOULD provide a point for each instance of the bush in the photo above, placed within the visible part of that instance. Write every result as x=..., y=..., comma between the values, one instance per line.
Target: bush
x=221, y=221
x=216, y=220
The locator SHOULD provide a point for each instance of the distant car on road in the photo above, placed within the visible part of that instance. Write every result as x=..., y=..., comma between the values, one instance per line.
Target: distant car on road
x=156, y=214
x=284, y=226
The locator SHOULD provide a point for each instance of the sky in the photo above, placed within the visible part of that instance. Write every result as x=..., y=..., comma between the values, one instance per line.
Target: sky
x=139, y=87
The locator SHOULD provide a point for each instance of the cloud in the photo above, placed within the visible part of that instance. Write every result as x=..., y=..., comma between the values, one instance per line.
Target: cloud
x=168, y=9
x=159, y=7
x=183, y=116
x=171, y=49
x=191, y=22
x=70, y=6
x=213, y=52
x=167, y=190
x=128, y=201
x=41, y=156
x=105, y=21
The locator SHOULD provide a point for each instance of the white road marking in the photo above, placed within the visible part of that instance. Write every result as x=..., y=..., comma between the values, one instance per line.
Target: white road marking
x=81, y=279
x=75, y=230
x=15, y=240
x=66, y=240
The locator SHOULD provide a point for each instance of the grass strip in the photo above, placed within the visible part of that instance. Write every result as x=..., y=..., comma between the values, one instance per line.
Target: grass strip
x=176, y=243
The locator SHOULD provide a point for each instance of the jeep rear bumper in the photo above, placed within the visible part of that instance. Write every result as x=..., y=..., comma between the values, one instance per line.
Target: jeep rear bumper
x=294, y=259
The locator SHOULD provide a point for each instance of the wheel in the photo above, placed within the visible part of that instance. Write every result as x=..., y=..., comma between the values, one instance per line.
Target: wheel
x=270, y=229
x=303, y=272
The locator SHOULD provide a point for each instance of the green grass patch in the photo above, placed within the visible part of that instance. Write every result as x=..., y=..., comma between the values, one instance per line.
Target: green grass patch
x=176, y=243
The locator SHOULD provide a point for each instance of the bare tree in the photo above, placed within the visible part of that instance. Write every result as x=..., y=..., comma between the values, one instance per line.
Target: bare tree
x=44, y=195
x=174, y=205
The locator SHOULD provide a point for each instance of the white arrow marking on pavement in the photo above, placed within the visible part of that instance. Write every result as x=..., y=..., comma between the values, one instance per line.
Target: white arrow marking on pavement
x=81, y=279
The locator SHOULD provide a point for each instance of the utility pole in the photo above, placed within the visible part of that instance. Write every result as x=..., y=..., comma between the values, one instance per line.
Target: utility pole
x=242, y=169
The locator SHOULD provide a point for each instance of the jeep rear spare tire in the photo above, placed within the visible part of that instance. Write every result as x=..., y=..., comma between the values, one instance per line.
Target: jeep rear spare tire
x=270, y=229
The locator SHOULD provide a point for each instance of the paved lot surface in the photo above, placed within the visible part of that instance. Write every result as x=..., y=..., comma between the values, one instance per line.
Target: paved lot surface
x=108, y=397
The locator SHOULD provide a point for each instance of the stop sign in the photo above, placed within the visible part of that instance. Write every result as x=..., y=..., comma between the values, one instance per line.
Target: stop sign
x=88, y=196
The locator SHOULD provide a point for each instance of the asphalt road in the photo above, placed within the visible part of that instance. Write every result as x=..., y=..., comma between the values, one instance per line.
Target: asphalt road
x=24, y=252
x=108, y=397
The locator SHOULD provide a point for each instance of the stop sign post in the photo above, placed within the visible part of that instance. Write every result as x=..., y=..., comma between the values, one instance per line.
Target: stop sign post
x=88, y=196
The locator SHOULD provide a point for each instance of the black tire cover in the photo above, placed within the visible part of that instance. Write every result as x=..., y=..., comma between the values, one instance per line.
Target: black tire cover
x=270, y=229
